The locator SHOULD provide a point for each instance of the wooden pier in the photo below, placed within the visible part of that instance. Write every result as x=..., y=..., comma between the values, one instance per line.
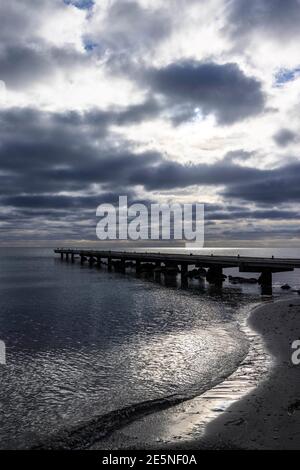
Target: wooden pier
x=211, y=266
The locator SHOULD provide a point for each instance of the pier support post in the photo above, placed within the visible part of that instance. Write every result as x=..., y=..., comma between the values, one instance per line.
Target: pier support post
x=137, y=266
x=157, y=271
x=98, y=262
x=122, y=266
x=81, y=259
x=72, y=257
x=170, y=274
x=61, y=256
x=109, y=265
x=67, y=256
x=215, y=276
x=184, y=273
x=265, y=281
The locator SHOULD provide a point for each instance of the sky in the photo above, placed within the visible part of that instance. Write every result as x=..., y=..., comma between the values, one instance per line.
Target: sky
x=161, y=100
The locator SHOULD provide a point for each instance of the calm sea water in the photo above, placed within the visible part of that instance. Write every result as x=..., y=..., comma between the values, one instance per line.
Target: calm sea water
x=82, y=342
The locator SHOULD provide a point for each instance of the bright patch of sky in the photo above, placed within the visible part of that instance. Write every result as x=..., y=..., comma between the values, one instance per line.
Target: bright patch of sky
x=286, y=75
x=81, y=4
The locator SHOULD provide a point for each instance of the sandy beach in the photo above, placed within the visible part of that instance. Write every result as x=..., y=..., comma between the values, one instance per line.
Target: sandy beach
x=268, y=417
x=258, y=407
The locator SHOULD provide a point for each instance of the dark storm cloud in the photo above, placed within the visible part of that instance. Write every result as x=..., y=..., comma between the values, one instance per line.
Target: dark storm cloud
x=57, y=202
x=20, y=65
x=244, y=214
x=274, y=17
x=46, y=153
x=49, y=153
x=220, y=89
x=31, y=127
x=53, y=168
x=280, y=185
x=260, y=233
x=275, y=186
x=171, y=174
x=138, y=113
x=43, y=155
x=284, y=137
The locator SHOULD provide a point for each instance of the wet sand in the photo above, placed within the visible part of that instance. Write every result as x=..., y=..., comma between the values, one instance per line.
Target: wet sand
x=257, y=407
x=268, y=417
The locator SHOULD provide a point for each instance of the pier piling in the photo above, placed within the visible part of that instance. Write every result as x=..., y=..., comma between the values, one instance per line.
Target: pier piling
x=184, y=274
x=265, y=281
x=137, y=266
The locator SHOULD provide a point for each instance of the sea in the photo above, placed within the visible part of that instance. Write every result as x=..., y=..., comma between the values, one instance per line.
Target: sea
x=87, y=349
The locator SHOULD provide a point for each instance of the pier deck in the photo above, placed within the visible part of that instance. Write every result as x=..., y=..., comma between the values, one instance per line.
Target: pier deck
x=214, y=264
